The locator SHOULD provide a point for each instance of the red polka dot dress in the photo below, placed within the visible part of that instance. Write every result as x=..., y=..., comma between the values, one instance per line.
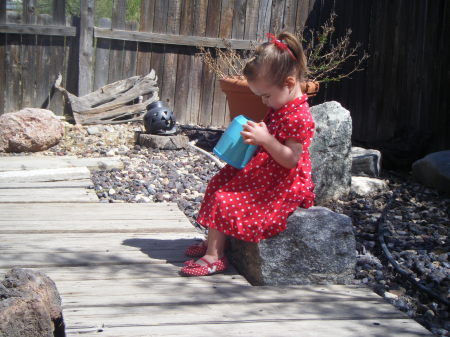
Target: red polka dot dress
x=254, y=203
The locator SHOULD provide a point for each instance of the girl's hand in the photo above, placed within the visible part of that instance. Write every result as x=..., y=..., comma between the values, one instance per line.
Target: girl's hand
x=256, y=133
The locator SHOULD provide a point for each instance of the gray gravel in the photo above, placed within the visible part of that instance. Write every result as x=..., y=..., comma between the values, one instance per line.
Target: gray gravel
x=417, y=226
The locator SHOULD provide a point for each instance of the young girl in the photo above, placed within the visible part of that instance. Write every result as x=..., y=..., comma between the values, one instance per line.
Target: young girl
x=254, y=203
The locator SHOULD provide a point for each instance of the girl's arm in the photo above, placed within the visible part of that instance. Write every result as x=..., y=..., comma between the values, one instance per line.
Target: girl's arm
x=287, y=154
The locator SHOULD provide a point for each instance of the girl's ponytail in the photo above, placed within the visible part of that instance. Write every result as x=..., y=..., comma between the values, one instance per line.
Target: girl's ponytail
x=276, y=60
x=297, y=50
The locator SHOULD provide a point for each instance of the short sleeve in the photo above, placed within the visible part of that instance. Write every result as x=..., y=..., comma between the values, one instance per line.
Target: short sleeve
x=298, y=126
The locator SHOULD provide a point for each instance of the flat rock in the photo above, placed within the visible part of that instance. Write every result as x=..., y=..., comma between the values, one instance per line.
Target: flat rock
x=174, y=142
x=366, y=162
x=366, y=186
x=433, y=170
x=331, y=151
x=318, y=247
x=29, y=130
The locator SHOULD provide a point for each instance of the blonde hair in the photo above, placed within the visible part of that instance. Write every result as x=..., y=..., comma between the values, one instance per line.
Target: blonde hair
x=275, y=64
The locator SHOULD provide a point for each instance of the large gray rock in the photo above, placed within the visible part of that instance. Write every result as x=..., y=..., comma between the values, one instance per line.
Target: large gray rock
x=331, y=151
x=29, y=305
x=29, y=130
x=163, y=142
x=434, y=170
x=366, y=162
x=318, y=247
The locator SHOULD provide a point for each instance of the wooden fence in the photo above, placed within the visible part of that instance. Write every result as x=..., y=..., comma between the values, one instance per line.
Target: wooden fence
x=398, y=102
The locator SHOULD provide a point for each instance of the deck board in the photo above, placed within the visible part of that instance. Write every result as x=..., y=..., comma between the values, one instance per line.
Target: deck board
x=116, y=267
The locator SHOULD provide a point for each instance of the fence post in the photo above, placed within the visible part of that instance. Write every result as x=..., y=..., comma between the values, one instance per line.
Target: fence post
x=86, y=46
x=59, y=12
x=2, y=11
x=29, y=11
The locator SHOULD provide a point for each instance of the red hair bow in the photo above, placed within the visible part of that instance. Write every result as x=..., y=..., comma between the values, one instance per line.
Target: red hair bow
x=281, y=45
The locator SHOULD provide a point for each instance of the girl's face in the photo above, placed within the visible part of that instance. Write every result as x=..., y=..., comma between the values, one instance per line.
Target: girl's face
x=273, y=96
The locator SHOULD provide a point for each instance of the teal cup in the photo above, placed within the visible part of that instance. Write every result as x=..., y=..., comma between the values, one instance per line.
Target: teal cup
x=231, y=147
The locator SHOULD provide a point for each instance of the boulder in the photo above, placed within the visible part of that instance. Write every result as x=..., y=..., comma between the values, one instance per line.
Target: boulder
x=433, y=170
x=331, y=151
x=29, y=130
x=366, y=186
x=318, y=247
x=366, y=162
x=163, y=142
x=29, y=305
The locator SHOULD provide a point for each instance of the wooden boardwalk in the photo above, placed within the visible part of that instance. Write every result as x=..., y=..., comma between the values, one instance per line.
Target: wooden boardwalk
x=116, y=268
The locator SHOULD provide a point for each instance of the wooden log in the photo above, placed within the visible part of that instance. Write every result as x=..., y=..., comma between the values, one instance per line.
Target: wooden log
x=109, y=104
x=86, y=47
x=102, y=57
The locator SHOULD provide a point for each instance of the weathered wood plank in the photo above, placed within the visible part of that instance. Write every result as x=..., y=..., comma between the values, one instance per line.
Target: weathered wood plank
x=155, y=273
x=102, y=57
x=15, y=163
x=145, y=25
x=99, y=211
x=86, y=47
x=57, y=67
x=59, y=12
x=2, y=13
x=43, y=64
x=116, y=50
x=43, y=195
x=308, y=328
x=231, y=293
x=58, y=174
x=251, y=20
x=194, y=94
x=35, y=260
x=180, y=40
x=169, y=79
x=2, y=68
x=89, y=242
x=184, y=64
x=28, y=61
x=130, y=50
x=208, y=76
x=49, y=184
x=13, y=73
x=158, y=223
x=29, y=11
x=51, y=30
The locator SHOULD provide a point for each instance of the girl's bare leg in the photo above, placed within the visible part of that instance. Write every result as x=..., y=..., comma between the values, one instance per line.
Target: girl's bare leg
x=216, y=246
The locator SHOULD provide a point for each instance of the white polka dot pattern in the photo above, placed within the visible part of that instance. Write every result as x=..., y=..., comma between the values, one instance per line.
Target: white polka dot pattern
x=254, y=203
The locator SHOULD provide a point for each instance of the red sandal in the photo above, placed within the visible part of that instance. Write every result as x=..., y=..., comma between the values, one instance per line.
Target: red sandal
x=196, y=250
x=199, y=249
x=194, y=269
